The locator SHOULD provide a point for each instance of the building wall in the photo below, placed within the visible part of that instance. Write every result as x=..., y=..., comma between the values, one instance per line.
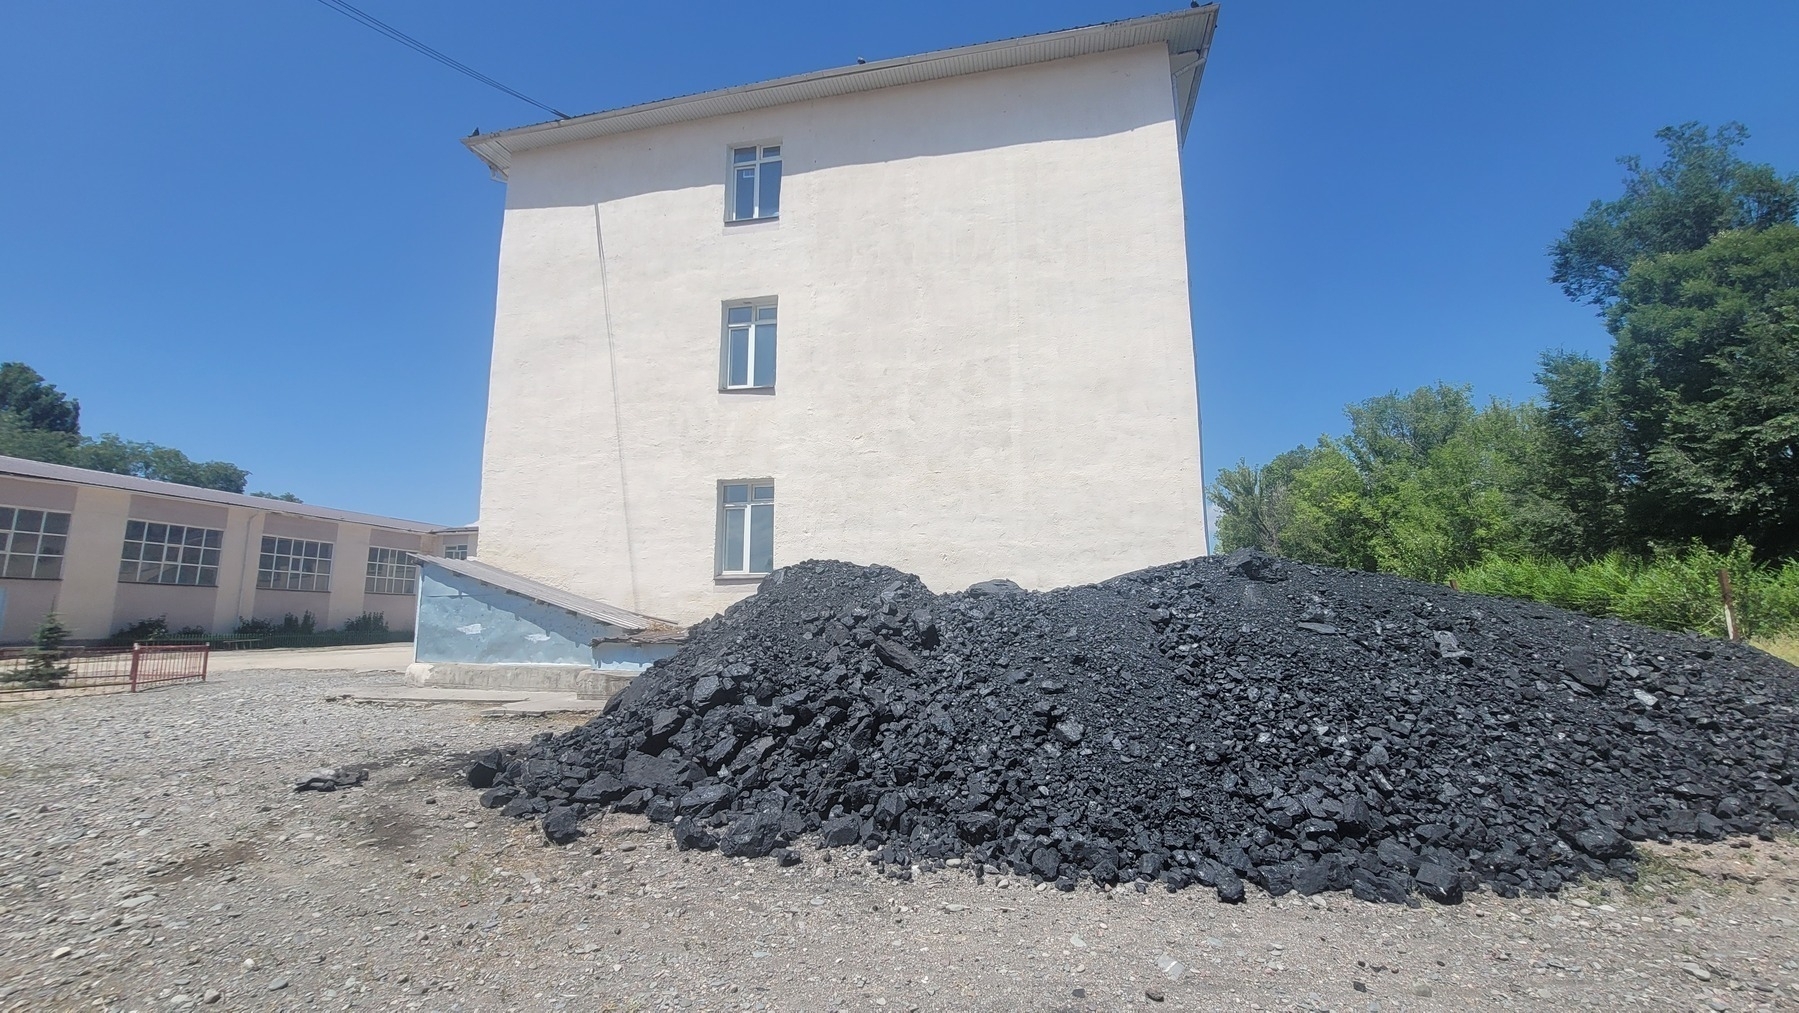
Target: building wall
x=93, y=602
x=985, y=350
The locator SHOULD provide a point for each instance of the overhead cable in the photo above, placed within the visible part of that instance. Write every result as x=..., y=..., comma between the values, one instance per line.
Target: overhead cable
x=350, y=11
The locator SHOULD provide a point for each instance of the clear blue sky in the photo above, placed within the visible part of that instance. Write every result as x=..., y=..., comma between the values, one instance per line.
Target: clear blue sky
x=247, y=230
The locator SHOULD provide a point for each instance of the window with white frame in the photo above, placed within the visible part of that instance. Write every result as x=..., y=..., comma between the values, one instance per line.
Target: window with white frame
x=755, y=190
x=392, y=571
x=746, y=528
x=749, y=351
x=294, y=564
x=456, y=551
x=32, y=543
x=170, y=554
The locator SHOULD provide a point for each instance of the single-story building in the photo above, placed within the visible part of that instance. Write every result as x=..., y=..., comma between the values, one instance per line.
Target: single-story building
x=107, y=551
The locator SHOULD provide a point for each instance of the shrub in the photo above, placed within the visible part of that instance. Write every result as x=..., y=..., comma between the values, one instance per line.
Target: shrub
x=144, y=629
x=46, y=663
x=368, y=622
x=1673, y=590
x=253, y=628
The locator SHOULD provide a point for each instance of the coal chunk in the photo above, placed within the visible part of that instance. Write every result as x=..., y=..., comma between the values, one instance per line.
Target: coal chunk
x=751, y=836
x=562, y=825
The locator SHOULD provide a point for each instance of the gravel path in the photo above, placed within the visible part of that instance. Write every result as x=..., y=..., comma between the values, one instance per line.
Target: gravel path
x=153, y=857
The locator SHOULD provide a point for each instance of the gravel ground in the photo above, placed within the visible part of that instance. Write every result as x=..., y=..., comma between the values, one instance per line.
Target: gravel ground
x=155, y=857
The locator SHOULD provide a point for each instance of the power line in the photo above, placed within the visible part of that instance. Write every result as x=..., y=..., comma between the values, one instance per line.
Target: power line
x=349, y=11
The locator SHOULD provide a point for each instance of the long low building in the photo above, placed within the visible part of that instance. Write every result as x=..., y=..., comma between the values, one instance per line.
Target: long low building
x=106, y=551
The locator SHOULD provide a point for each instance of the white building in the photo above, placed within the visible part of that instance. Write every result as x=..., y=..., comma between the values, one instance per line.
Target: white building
x=930, y=312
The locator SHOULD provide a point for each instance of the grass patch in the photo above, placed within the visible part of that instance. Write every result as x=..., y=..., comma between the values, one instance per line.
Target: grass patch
x=1784, y=646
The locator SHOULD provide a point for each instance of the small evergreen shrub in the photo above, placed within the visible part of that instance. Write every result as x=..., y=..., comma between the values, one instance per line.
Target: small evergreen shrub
x=46, y=662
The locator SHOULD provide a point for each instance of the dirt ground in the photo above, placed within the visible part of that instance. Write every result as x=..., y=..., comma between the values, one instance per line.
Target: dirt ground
x=154, y=856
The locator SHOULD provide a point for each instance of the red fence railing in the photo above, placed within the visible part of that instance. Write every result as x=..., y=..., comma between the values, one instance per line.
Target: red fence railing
x=160, y=664
x=141, y=666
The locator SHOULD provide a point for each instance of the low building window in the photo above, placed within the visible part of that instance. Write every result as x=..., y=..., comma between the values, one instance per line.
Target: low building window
x=32, y=543
x=746, y=528
x=170, y=554
x=755, y=190
x=294, y=564
x=392, y=571
x=749, y=351
x=456, y=551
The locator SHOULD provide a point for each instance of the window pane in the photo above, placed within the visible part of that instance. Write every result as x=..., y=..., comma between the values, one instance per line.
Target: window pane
x=770, y=204
x=209, y=575
x=325, y=551
x=51, y=545
x=745, y=206
x=190, y=555
x=132, y=550
x=18, y=566
x=737, y=493
x=29, y=520
x=134, y=530
x=765, y=355
x=56, y=524
x=762, y=538
x=6, y=515
x=210, y=557
x=740, y=155
x=193, y=536
x=49, y=568
x=146, y=572
x=733, y=540
x=738, y=315
x=157, y=532
x=127, y=570
x=214, y=539
x=764, y=493
x=737, y=357
x=284, y=546
x=772, y=151
x=25, y=544
x=765, y=313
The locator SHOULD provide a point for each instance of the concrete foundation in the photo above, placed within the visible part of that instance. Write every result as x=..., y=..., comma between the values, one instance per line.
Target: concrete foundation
x=586, y=683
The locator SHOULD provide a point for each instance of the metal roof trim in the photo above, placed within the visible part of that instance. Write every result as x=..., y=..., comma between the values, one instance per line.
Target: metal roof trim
x=544, y=594
x=1184, y=31
x=18, y=467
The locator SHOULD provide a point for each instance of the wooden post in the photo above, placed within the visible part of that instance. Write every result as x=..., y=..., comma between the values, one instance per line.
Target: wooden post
x=1730, y=606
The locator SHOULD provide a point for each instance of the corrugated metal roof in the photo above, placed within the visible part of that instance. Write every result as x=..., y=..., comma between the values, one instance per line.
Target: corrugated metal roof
x=21, y=468
x=1184, y=31
x=554, y=597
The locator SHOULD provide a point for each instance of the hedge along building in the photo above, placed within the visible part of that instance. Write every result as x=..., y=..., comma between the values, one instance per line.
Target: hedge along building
x=105, y=551
x=929, y=311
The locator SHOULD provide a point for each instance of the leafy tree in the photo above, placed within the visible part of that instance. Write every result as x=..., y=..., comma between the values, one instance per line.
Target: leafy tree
x=286, y=497
x=163, y=464
x=1701, y=188
x=1578, y=490
x=18, y=438
x=37, y=405
x=1706, y=371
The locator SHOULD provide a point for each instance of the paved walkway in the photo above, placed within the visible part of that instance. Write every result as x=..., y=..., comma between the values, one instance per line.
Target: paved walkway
x=370, y=658
x=505, y=702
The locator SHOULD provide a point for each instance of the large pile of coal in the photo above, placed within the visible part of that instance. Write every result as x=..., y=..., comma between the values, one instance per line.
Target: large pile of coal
x=1207, y=722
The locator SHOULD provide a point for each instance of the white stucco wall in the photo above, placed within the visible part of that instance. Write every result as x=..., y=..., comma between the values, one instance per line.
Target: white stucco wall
x=986, y=364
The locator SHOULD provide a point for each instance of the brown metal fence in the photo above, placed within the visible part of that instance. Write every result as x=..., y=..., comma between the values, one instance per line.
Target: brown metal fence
x=159, y=664
x=141, y=666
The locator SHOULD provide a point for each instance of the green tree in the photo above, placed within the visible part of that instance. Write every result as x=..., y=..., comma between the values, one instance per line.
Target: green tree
x=163, y=464
x=36, y=404
x=286, y=497
x=1701, y=188
x=1579, y=490
x=1706, y=371
x=19, y=438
